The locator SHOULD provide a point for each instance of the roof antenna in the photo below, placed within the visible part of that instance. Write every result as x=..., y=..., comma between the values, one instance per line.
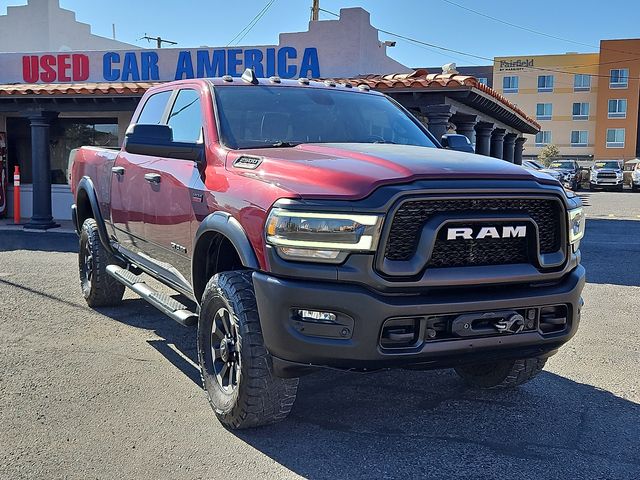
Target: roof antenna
x=249, y=76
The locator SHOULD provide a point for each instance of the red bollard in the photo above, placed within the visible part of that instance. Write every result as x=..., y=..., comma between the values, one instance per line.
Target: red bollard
x=16, y=195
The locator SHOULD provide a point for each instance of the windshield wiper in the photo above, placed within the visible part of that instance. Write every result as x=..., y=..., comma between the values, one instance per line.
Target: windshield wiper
x=283, y=144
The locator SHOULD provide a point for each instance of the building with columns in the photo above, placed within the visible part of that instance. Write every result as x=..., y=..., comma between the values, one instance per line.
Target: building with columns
x=455, y=103
x=66, y=87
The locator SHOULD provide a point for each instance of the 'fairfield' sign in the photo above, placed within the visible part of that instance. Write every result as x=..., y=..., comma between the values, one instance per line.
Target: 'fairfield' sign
x=158, y=65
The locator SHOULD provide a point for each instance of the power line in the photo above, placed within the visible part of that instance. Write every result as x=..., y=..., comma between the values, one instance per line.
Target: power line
x=243, y=33
x=480, y=57
x=531, y=30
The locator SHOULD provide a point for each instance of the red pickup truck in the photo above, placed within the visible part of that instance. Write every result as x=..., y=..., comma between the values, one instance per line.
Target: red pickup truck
x=315, y=225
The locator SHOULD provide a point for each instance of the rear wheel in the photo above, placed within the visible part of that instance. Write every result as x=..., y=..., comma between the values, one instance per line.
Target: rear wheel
x=237, y=371
x=98, y=287
x=503, y=374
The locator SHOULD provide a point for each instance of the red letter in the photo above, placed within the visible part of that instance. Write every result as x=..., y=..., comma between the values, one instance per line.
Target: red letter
x=30, y=69
x=80, y=68
x=63, y=66
x=48, y=73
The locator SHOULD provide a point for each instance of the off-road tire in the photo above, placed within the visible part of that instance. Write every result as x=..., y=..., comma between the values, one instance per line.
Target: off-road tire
x=258, y=397
x=501, y=375
x=98, y=287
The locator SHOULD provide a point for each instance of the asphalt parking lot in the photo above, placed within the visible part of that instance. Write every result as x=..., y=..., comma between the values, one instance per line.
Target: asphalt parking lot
x=115, y=393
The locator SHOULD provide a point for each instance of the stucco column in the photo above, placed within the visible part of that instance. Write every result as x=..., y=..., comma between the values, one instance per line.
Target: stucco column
x=508, y=146
x=497, y=142
x=438, y=116
x=41, y=218
x=517, y=150
x=465, y=125
x=483, y=137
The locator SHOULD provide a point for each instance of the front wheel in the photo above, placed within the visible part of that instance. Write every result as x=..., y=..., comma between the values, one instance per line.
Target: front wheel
x=503, y=374
x=237, y=370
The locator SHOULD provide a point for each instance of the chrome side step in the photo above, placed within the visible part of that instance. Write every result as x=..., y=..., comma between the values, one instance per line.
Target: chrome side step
x=163, y=302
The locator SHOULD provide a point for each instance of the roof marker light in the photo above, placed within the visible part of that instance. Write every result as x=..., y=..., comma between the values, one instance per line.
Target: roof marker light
x=303, y=80
x=364, y=87
x=249, y=76
x=275, y=80
x=329, y=83
x=227, y=78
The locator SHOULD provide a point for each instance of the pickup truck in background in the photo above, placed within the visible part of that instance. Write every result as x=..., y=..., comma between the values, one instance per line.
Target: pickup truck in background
x=606, y=175
x=309, y=225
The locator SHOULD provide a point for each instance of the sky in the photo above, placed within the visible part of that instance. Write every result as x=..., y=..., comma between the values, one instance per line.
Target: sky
x=194, y=23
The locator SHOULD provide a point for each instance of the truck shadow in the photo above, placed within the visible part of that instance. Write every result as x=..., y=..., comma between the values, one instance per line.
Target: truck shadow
x=407, y=424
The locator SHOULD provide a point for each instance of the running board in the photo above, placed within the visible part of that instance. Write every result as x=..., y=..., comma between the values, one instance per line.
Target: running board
x=163, y=302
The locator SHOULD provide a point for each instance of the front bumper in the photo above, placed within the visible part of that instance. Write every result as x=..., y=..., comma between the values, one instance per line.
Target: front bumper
x=606, y=182
x=366, y=311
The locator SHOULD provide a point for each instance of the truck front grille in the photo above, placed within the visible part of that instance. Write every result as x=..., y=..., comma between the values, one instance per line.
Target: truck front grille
x=410, y=218
x=607, y=175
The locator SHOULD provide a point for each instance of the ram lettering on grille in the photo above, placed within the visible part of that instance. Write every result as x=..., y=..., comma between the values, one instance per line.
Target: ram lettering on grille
x=482, y=247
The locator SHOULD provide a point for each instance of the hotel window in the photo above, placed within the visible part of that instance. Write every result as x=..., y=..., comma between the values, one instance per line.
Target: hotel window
x=544, y=111
x=545, y=83
x=581, y=111
x=618, y=108
x=510, y=84
x=579, y=138
x=615, y=137
x=581, y=82
x=619, y=78
x=543, y=138
x=483, y=80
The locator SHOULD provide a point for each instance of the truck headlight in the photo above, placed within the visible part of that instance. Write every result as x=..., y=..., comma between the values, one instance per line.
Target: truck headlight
x=321, y=237
x=577, y=222
x=593, y=175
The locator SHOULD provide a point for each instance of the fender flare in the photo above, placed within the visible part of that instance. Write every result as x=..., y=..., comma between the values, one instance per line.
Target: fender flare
x=224, y=224
x=86, y=184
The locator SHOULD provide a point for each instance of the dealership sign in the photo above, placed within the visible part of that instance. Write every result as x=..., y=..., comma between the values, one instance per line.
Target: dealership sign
x=158, y=65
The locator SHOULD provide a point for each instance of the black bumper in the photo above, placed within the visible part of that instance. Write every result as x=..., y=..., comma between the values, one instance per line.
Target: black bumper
x=366, y=311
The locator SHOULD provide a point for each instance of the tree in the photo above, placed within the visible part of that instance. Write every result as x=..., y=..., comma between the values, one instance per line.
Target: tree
x=548, y=154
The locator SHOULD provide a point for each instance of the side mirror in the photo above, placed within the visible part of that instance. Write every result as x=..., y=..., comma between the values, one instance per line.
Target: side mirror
x=454, y=141
x=157, y=141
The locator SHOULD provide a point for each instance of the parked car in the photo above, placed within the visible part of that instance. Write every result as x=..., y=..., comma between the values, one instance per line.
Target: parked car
x=570, y=171
x=606, y=175
x=312, y=225
x=632, y=174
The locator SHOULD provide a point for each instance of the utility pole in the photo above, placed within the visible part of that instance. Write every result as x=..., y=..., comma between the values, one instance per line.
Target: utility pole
x=315, y=11
x=159, y=41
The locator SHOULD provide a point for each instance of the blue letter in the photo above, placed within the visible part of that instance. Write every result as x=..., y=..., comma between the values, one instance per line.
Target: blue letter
x=185, y=66
x=271, y=62
x=310, y=63
x=149, y=64
x=233, y=62
x=285, y=70
x=130, y=67
x=109, y=73
x=210, y=68
x=253, y=60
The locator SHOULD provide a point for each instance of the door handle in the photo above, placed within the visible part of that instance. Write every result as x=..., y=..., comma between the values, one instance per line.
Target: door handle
x=152, y=177
x=117, y=170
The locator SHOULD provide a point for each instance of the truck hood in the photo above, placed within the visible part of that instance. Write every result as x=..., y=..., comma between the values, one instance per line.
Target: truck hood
x=354, y=170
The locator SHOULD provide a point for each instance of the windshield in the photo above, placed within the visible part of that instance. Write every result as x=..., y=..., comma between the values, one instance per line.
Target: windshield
x=565, y=165
x=612, y=164
x=262, y=116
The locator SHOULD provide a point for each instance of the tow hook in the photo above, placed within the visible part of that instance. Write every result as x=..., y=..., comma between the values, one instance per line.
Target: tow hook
x=513, y=324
